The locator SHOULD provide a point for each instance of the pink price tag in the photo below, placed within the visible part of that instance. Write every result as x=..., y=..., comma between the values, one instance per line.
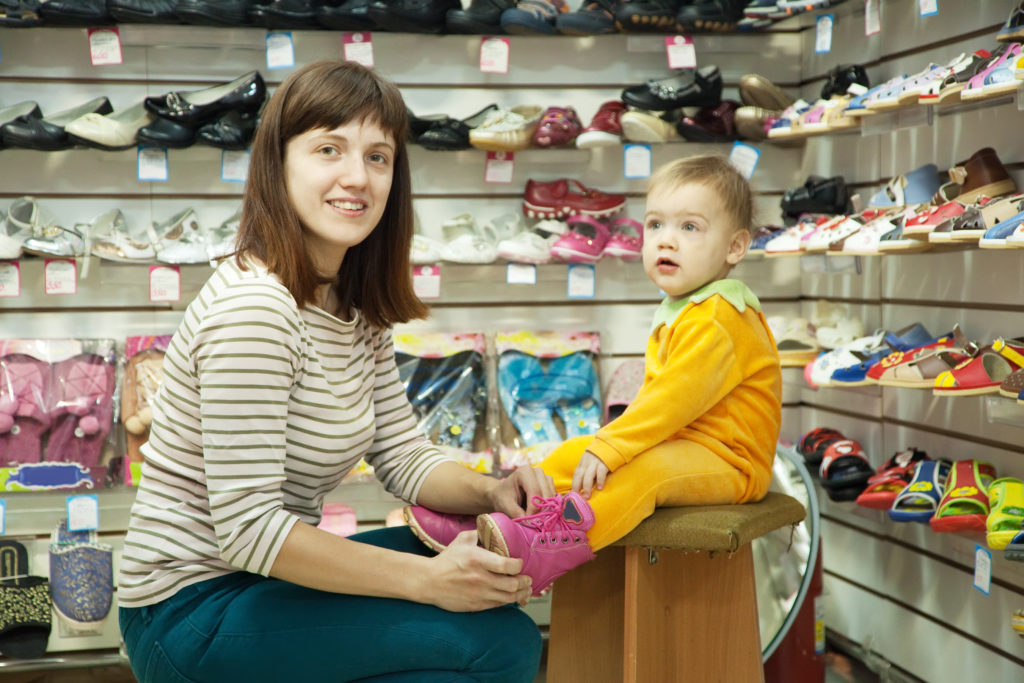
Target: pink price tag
x=498, y=168
x=164, y=283
x=681, y=52
x=358, y=47
x=60, y=276
x=10, y=279
x=426, y=281
x=105, y=46
x=495, y=54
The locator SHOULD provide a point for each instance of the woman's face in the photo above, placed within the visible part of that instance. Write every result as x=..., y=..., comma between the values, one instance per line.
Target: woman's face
x=338, y=182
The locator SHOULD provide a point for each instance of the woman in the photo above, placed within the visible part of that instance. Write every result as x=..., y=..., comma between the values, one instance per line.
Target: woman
x=280, y=377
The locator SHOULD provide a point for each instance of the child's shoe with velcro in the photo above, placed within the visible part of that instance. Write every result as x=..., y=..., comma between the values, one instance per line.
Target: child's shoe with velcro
x=550, y=542
x=533, y=16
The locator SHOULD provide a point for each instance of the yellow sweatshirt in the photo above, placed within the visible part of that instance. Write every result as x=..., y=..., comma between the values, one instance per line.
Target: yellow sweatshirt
x=712, y=376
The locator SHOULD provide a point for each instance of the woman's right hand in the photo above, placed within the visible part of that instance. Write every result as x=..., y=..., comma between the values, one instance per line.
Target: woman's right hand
x=468, y=578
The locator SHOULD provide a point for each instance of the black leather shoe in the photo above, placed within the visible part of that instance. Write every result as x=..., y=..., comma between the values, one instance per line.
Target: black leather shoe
x=411, y=16
x=841, y=77
x=687, y=88
x=348, y=15
x=817, y=195
x=19, y=13
x=143, y=11
x=48, y=133
x=23, y=111
x=482, y=17
x=75, y=13
x=297, y=14
x=647, y=16
x=166, y=133
x=452, y=134
x=214, y=12
x=232, y=131
x=193, y=109
x=705, y=16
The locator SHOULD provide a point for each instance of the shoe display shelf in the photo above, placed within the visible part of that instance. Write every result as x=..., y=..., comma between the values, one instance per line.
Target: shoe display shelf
x=902, y=590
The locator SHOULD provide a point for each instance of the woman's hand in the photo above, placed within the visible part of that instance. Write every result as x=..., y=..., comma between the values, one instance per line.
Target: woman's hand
x=514, y=495
x=589, y=472
x=468, y=578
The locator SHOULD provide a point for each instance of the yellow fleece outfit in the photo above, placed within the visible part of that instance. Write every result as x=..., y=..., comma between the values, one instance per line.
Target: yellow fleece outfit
x=702, y=429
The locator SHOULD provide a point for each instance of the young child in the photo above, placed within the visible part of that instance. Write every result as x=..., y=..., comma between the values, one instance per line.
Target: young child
x=702, y=429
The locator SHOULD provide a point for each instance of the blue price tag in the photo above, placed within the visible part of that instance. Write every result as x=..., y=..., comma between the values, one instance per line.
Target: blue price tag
x=582, y=281
x=83, y=512
x=152, y=164
x=928, y=8
x=823, y=33
x=234, y=166
x=636, y=161
x=280, y=50
x=744, y=157
x=3, y=517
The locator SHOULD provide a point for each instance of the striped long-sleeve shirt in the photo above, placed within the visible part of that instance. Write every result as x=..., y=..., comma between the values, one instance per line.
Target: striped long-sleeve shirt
x=264, y=407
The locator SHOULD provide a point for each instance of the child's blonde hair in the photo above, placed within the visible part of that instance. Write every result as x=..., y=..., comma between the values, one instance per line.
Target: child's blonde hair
x=717, y=174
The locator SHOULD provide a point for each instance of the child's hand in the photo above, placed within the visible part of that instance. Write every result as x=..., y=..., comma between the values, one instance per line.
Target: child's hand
x=589, y=472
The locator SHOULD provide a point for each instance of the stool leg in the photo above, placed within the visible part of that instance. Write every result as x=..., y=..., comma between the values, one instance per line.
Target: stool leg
x=690, y=617
x=586, y=622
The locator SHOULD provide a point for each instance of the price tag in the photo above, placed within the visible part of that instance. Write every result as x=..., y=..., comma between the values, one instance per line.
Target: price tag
x=928, y=8
x=982, y=569
x=819, y=625
x=83, y=513
x=3, y=517
x=234, y=166
x=426, y=281
x=823, y=33
x=105, y=46
x=10, y=279
x=358, y=47
x=681, y=53
x=872, y=17
x=495, y=54
x=498, y=167
x=521, y=274
x=582, y=281
x=164, y=283
x=60, y=276
x=636, y=161
x=153, y=164
x=280, y=50
x=744, y=157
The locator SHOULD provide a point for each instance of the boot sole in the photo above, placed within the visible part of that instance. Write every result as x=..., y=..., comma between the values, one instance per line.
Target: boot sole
x=420, y=533
x=490, y=536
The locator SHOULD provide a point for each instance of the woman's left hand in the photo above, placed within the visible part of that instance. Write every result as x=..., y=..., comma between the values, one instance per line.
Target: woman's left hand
x=514, y=495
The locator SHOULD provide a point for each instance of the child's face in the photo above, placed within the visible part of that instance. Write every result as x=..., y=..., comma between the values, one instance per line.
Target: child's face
x=689, y=239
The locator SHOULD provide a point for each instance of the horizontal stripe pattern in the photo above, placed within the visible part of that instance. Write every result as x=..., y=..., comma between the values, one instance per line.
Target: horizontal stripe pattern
x=263, y=409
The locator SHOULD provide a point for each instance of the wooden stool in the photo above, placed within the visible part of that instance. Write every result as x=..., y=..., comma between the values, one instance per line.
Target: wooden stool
x=673, y=600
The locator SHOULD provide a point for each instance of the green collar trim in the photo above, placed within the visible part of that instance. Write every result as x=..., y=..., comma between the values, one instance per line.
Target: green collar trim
x=733, y=291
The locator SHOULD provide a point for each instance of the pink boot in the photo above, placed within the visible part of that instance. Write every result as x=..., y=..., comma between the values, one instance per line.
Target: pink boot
x=550, y=543
x=436, y=529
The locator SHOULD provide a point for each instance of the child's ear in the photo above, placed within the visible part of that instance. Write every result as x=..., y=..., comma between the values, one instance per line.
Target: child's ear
x=738, y=246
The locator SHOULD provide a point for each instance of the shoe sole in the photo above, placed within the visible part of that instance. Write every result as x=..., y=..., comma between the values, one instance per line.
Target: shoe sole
x=534, y=211
x=490, y=537
x=637, y=131
x=420, y=533
x=597, y=138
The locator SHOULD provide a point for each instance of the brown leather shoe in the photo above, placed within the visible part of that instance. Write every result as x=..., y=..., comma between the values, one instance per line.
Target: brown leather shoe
x=982, y=174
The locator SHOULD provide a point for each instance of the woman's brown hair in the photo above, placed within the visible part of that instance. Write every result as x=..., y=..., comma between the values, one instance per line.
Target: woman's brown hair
x=375, y=277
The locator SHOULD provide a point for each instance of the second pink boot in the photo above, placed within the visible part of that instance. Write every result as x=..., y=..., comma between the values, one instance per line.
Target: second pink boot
x=436, y=529
x=549, y=543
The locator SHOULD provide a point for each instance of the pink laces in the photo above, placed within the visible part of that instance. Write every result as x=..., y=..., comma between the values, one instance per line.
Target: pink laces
x=548, y=521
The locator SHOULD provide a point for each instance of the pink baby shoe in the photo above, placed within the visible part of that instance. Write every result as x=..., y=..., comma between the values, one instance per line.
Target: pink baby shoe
x=436, y=529
x=584, y=242
x=84, y=409
x=549, y=543
x=626, y=240
x=24, y=395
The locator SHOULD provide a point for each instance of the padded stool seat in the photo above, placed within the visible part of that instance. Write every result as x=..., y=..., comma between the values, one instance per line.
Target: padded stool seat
x=671, y=601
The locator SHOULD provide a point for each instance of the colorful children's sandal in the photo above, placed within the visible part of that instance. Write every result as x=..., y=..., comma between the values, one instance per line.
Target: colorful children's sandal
x=918, y=500
x=964, y=505
x=983, y=373
x=844, y=470
x=812, y=445
x=892, y=477
x=1006, y=511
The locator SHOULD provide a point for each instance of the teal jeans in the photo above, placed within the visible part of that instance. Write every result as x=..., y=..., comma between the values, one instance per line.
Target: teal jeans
x=246, y=627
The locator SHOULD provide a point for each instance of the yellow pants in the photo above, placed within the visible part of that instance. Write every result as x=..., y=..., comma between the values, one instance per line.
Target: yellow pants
x=672, y=473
